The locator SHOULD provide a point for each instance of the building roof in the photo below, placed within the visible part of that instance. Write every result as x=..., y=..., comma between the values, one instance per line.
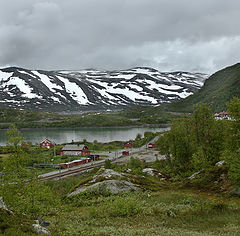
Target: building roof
x=47, y=140
x=73, y=147
x=221, y=114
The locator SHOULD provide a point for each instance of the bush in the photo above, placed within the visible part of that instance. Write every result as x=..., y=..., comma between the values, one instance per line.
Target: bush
x=122, y=208
x=107, y=164
x=135, y=163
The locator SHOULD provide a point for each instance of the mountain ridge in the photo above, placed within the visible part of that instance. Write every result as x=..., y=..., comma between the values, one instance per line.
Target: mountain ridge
x=217, y=90
x=92, y=89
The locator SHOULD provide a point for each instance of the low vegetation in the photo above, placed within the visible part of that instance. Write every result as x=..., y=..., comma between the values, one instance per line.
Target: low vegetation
x=130, y=117
x=175, y=205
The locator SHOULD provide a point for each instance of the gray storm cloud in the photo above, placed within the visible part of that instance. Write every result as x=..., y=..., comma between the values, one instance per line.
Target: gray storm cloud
x=165, y=34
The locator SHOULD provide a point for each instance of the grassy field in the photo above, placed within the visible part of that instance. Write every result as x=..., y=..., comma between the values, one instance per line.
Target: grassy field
x=162, y=208
x=164, y=212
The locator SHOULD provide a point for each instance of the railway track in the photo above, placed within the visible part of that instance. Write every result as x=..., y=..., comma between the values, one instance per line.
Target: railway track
x=70, y=172
x=63, y=173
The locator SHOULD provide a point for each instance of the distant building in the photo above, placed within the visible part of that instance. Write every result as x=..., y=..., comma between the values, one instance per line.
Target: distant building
x=221, y=116
x=151, y=145
x=46, y=143
x=125, y=153
x=128, y=145
x=75, y=150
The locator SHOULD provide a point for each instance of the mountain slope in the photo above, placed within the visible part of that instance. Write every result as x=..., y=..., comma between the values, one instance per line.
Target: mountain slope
x=218, y=89
x=93, y=89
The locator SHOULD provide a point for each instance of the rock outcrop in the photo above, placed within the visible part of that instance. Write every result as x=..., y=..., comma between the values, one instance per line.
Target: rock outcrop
x=154, y=173
x=4, y=207
x=106, y=187
x=107, y=181
x=40, y=229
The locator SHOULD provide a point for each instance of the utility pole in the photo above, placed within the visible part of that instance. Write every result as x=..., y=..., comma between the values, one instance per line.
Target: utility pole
x=54, y=149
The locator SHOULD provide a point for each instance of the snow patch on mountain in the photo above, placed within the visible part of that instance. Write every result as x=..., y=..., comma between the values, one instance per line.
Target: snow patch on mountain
x=75, y=91
x=47, y=81
x=22, y=86
x=5, y=75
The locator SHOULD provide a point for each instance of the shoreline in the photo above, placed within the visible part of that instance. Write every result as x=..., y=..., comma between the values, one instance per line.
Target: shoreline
x=100, y=127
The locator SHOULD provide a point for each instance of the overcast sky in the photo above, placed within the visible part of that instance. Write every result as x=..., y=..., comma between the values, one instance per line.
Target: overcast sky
x=168, y=35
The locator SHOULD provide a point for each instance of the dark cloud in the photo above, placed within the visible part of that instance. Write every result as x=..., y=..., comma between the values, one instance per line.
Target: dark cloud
x=165, y=34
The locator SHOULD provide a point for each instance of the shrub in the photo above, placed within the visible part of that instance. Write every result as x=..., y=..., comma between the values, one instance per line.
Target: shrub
x=107, y=164
x=122, y=208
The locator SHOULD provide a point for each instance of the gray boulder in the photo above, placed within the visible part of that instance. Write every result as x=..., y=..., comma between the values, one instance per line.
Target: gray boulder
x=220, y=163
x=40, y=229
x=154, y=173
x=106, y=174
x=107, y=186
x=107, y=181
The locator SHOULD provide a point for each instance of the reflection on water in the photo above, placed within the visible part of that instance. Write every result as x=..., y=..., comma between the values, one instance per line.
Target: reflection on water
x=66, y=135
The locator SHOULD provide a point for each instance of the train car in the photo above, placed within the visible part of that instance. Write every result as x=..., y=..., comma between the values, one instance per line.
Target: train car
x=61, y=166
x=73, y=163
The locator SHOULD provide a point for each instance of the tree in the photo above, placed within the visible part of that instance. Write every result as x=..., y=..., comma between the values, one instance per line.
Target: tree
x=193, y=142
x=232, y=142
x=14, y=164
x=176, y=144
x=107, y=164
x=138, y=137
x=20, y=187
x=205, y=134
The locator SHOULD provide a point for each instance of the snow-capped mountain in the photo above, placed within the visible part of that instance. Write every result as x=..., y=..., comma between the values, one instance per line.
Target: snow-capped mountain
x=93, y=89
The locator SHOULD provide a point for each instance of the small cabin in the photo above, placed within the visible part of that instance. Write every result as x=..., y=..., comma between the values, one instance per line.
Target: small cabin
x=128, y=145
x=151, y=145
x=46, y=143
x=125, y=153
x=75, y=150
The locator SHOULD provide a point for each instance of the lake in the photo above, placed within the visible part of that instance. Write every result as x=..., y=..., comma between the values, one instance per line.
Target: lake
x=67, y=135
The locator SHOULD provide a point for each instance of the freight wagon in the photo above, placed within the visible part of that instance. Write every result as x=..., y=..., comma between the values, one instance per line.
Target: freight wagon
x=73, y=163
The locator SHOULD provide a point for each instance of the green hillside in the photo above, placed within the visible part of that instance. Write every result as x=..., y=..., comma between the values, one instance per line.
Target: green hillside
x=218, y=89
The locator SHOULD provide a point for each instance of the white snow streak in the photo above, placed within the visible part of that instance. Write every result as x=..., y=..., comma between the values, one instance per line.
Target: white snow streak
x=122, y=76
x=132, y=95
x=47, y=81
x=24, y=72
x=75, y=91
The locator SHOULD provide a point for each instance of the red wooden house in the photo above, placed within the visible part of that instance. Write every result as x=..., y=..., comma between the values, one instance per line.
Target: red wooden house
x=151, y=145
x=46, y=143
x=75, y=150
x=128, y=145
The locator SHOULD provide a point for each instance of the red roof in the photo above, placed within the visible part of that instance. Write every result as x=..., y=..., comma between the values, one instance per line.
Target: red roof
x=128, y=145
x=224, y=113
x=46, y=142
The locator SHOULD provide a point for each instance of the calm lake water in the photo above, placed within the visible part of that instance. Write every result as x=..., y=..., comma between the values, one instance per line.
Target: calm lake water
x=66, y=135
